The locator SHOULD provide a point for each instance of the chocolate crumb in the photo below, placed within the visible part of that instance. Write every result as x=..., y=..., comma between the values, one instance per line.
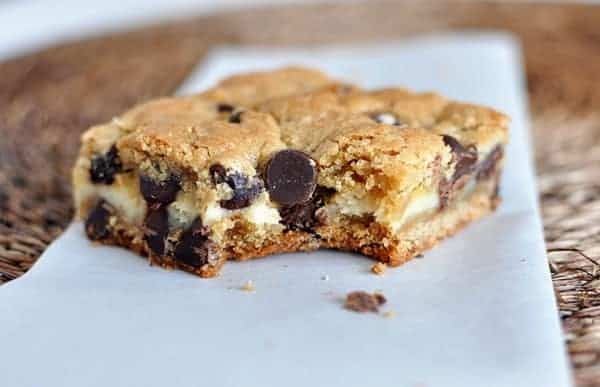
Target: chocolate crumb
x=380, y=298
x=361, y=301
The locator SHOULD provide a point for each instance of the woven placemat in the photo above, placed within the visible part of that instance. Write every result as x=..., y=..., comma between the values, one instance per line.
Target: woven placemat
x=49, y=97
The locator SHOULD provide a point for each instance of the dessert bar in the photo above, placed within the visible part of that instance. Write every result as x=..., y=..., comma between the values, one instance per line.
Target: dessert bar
x=288, y=160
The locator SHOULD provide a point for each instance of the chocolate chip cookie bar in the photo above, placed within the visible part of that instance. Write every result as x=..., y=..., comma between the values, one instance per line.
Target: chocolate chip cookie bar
x=287, y=160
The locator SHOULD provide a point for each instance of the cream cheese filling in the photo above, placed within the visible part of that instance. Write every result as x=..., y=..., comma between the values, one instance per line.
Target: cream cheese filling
x=122, y=194
x=125, y=197
x=183, y=211
x=422, y=201
x=260, y=212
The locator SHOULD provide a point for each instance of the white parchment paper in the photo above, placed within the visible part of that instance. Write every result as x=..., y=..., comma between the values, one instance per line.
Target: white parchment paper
x=478, y=310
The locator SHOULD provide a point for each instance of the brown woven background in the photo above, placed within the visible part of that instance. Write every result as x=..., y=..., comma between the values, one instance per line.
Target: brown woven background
x=49, y=97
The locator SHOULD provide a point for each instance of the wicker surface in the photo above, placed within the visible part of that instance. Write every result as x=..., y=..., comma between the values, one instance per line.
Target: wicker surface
x=48, y=98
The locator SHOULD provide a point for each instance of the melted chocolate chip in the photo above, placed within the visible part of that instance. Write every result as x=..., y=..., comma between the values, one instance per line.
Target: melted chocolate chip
x=157, y=229
x=465, y=158
x=305, y=216
x=104, y=167
x=97, y=222
x=161, y=192
x=236, y=118
x=386, y=118
x=245, y=190
x=194, y=246
x=291, y=177
x=225, y=108
x=486, y=168
x=445, y=192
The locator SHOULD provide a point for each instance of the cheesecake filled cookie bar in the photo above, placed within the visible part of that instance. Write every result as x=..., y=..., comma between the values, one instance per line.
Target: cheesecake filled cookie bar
x=287, y=160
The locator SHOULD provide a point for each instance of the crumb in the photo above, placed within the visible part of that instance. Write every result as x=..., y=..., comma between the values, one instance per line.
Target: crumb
x=378, y=294
x=419, y=256
x=379, y=268
x=360, y=301
x=389, y=314
x=248, y=286
x=325, y=277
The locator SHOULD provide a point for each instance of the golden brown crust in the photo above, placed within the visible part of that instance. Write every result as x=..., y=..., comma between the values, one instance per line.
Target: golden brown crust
x=305, y=110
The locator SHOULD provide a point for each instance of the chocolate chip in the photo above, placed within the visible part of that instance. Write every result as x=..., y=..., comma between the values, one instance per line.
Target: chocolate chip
x=465, y=158
x=386, y=118
x=162, y=192
x=104, y=167
x=225, y=108
x=245, y=189
x=19, y=181
x=156, y=227
x=3, y=198
x=291, y=177
x=218, y=173
x=97, y=222
x=236, y=118
x=306, y=216
x=486, y=168
x=194, y=246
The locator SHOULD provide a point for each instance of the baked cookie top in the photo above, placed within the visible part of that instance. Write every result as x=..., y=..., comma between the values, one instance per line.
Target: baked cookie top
x=370, y=140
